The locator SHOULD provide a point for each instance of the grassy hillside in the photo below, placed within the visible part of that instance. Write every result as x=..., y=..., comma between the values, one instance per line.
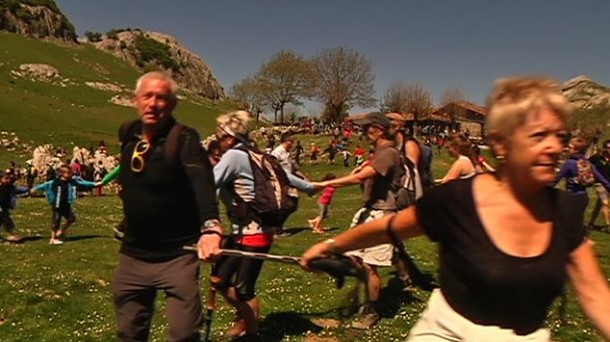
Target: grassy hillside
x=75, y=114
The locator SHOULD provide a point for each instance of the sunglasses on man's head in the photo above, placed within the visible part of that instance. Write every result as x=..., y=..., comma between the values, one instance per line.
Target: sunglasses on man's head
x=137, y=159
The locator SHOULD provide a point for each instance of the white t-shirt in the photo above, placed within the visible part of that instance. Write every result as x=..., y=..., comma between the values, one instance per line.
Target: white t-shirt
x=283, y=157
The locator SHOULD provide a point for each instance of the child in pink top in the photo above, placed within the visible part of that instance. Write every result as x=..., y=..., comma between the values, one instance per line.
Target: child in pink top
x=323, y=203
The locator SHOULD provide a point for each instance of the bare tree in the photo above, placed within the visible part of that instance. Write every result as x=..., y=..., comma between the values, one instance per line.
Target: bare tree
x=451, y=95
x=419, y=100
x=248, y=93
x=395, y=98
x=285, y=79
x=450, y=98
x=401, y=97
x=343, y=78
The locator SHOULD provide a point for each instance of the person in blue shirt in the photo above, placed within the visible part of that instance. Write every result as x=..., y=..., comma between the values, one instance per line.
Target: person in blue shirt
x=61, y=194
x=577, y=148
x=8, y=201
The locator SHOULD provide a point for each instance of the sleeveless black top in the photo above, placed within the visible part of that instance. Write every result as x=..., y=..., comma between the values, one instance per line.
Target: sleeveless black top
x=484, y=284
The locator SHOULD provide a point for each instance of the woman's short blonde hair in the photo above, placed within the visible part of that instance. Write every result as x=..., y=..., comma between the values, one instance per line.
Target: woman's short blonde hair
x=513, y=99
x=235, y=123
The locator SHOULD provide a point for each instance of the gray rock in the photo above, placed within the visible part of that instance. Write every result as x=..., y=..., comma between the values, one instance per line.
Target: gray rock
x=193, y=75
x=585, y=93
x=38, y=22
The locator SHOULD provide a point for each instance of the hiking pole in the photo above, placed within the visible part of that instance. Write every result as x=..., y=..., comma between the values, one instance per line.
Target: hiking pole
x=337, y=266
x=210, y=306
x=286, y=259
x=423, y=280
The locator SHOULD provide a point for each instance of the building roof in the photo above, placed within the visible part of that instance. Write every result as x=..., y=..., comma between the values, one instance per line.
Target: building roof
x=463, y=104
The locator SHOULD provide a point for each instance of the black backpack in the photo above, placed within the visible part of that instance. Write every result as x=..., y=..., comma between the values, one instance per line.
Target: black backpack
x=274, y=199
x=410, y=188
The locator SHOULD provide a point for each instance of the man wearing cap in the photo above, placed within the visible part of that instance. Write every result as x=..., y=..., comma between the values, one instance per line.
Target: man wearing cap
x=379, y=178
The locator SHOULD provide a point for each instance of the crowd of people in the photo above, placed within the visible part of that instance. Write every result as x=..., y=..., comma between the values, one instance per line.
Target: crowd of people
x=508, y=239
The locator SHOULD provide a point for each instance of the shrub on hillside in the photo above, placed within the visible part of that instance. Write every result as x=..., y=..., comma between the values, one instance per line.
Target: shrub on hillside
x=93, y=36
x=152, y=51
x=112, y=34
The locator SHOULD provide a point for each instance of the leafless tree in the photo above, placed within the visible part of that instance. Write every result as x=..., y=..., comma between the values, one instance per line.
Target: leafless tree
x=395, y=98
x=450, y=98
x=249, y=96
x=401, y=97
x=343, y=78
x=451, y=95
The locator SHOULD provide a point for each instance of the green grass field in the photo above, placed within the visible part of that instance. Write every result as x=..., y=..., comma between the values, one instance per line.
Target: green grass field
x=63, y=293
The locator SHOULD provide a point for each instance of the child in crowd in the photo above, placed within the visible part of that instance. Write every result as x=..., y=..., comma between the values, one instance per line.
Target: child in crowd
x=482, y=165
x=313, y=154
x=61, y=193
x=324, y=204
x=358, y=156
x=8, y=201
x=345, y=153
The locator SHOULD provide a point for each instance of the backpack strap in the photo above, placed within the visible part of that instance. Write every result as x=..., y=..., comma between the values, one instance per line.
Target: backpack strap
x=124, y=131
x=172, y=144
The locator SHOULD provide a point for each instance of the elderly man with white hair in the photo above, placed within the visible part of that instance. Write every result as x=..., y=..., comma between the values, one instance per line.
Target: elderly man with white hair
x=167, y=204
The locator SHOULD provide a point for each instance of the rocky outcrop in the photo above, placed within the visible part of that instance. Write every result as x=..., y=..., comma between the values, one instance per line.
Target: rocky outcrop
x=122, y=100
x=105, y=86
x=41, y=73
x=585, y=93
x=191, y=72
x=37, y=19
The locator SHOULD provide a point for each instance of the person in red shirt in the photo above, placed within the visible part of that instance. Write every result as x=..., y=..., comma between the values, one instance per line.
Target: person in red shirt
x=358, y=156
x=324, y=204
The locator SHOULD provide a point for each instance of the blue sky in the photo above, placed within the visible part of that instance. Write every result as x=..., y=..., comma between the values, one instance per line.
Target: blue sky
x=436, y=43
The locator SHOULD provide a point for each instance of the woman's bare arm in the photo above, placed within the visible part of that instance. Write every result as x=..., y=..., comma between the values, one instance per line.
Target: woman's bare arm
x=591, y=286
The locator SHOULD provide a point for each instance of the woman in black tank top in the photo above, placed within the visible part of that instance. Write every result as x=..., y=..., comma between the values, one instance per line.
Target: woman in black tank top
x=507, y=241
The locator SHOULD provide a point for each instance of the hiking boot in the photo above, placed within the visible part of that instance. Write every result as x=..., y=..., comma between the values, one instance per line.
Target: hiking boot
x=407, y=284
x=366, y=321
x=239, y=327
x=368, y=318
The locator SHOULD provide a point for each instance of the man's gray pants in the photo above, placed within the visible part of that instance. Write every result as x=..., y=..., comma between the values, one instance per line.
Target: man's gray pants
x=135, y=287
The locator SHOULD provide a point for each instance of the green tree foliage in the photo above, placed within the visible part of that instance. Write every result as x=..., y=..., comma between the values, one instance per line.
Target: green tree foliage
x=284, y=79
x=343, y=78
x=113, y=34
x=152, y=51
x=93, y=36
